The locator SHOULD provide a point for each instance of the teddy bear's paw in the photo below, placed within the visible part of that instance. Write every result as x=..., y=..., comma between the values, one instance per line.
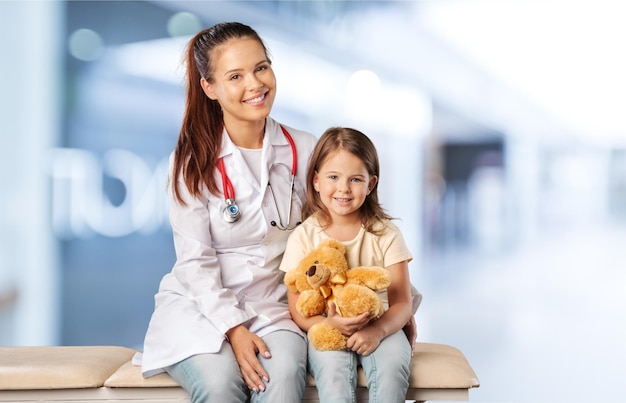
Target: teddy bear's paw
x=373, y=277
x=310, y=303
x=324, y=337
x=356, y=299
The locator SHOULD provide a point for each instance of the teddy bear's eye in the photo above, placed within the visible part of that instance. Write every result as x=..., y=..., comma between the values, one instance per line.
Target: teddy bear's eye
x=317, y=262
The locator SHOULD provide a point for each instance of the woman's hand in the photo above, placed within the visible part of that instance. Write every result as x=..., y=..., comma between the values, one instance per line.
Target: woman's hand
x=347, y=326
x=246, y=345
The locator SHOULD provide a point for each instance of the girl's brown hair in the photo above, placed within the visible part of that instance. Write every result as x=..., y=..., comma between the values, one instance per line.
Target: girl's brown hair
x=358, y=144
x=200, y=137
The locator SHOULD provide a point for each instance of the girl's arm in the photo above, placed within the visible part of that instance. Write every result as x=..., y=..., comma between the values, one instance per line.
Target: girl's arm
x=346, y=326
x=366, y=340
x=302, y=322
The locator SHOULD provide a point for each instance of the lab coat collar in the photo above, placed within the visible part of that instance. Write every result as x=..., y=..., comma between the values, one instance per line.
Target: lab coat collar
x=273, y=136
x=236, y=165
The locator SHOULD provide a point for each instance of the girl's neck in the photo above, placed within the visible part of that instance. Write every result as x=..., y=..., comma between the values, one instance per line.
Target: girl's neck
x=343, y=230
x=246, y=134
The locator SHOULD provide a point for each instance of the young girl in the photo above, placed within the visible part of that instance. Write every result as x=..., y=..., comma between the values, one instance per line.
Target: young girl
x=342, y=203
x=221, y=325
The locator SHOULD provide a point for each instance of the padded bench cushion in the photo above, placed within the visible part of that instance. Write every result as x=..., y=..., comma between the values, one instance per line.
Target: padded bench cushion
x=434, y=366
x=129, y=376
x=439, y=366
x=59, y=367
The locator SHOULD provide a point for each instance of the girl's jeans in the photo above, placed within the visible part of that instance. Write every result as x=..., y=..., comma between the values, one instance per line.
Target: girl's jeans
x=386, y=369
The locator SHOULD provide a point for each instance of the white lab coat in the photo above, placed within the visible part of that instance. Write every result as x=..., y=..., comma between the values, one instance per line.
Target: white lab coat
x=227, y=274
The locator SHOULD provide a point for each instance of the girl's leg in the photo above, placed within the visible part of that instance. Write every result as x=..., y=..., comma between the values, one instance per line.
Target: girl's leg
x=387, y=369
x=211, y=378
x=286, y=368
x=335, y=375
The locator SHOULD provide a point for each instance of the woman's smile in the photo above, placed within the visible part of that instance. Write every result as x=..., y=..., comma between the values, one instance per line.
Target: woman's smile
x=257, y=99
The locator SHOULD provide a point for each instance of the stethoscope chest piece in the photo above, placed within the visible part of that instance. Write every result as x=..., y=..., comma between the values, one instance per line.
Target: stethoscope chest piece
x=231, y=211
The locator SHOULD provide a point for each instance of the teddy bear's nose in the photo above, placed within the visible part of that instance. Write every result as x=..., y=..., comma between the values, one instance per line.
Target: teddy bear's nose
x=311, y=271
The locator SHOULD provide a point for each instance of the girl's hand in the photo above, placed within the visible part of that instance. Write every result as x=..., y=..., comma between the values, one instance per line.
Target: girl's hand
x=410, y=329
x=347, y=326
x=365, y=341
x=246, y=345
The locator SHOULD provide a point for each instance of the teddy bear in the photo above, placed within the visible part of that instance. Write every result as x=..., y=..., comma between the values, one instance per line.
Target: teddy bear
x=323, y=277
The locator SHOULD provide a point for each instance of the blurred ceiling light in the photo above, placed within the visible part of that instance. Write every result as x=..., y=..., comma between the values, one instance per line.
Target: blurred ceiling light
x=569, y=64
x=183, y=24
x=399, y=109
x=402, y=110
x=85, y=44
x=158, y=59
x=363, y=89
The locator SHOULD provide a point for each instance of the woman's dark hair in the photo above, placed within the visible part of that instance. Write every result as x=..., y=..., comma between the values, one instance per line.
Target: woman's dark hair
x=200, y=137
x=358, y=144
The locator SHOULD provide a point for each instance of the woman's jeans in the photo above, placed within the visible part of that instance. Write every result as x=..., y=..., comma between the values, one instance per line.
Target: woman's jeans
x=386, y=369
x=216, y=378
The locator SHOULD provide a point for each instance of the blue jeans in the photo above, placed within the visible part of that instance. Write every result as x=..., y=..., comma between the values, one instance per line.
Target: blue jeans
x=386, y=369
x=216, y=377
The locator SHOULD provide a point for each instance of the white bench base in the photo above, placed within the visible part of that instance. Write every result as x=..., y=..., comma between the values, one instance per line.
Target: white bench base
x=177, y=394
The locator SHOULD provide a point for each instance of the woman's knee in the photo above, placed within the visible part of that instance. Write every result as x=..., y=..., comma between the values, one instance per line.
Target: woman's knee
x=209, y=378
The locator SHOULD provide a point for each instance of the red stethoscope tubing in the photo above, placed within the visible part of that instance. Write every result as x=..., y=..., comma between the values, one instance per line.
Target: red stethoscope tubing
x=229, y=190
x=294, y=153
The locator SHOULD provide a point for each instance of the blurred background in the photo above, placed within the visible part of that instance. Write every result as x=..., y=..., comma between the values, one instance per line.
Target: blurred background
x=502, y=135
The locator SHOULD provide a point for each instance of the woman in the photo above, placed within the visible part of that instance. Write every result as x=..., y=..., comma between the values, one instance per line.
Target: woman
x=221, y=325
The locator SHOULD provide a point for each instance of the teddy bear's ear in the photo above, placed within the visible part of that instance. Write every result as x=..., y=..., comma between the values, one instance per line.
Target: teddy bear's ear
x=333, y=243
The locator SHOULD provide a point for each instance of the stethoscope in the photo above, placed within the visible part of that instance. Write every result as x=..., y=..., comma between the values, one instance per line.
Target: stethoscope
x=231, y=212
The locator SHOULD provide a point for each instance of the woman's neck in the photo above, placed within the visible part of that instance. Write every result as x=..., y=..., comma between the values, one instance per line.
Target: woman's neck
x=246, y=134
